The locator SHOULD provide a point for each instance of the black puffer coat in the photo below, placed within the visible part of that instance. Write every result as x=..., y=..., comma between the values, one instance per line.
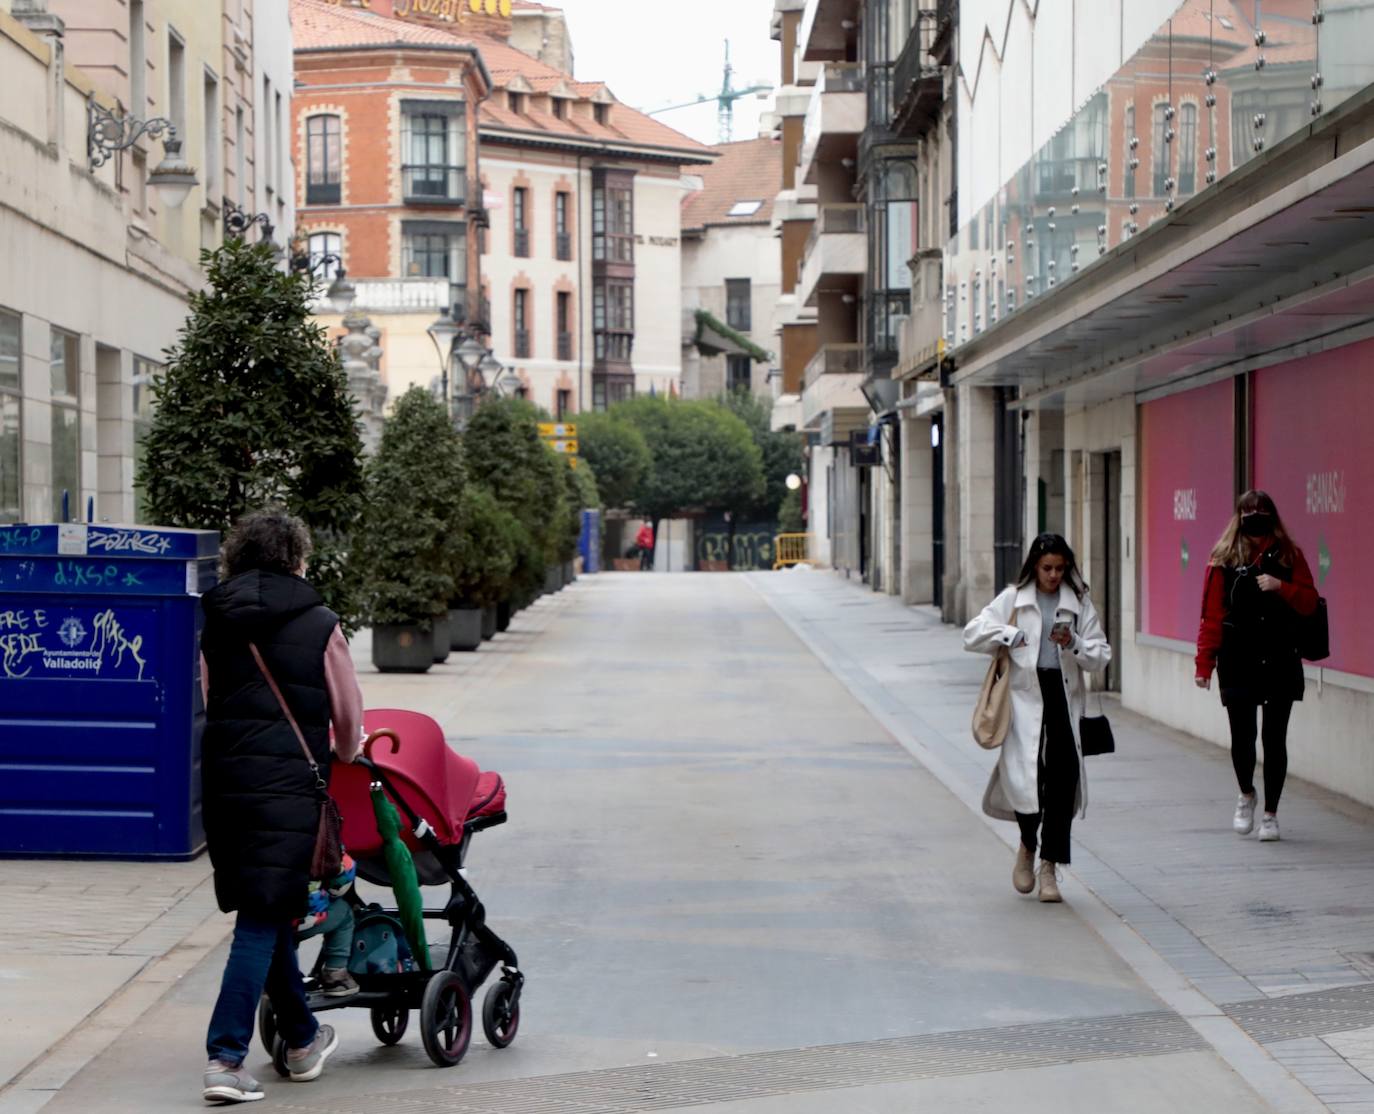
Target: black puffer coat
x=261, y=806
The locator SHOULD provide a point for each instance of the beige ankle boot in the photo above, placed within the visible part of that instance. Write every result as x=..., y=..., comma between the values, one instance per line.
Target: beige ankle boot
x=1049, y=883
x=1023, y=873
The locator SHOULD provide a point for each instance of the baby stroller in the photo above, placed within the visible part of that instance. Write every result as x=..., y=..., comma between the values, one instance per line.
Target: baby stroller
x=444, y=800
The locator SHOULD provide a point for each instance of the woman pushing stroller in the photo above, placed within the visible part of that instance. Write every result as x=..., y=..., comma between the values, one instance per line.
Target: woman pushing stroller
x=269, y=645
x=1052, y=635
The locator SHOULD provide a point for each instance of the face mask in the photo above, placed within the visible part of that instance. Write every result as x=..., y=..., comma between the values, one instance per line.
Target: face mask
x=1257, y=525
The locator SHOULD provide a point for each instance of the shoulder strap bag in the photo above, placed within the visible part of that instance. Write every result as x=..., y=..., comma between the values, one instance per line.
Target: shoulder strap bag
x=1095, y=733
x=328, y=854
x=992, y=712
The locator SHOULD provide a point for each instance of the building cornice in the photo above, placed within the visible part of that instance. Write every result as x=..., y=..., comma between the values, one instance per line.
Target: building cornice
x=627, y=150
x=401, y=47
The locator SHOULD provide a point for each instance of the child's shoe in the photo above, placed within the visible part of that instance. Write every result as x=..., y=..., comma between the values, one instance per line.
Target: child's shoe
x=337, y=983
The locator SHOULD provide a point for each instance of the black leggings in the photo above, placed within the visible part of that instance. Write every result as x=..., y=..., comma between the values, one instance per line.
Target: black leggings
x=1057, y=771
x=1243, y=716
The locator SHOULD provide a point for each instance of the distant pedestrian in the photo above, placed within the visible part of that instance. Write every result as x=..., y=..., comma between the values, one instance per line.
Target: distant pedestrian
x=1257, y=587
x=1051, y=631
x=261, y=804
x=644, y=542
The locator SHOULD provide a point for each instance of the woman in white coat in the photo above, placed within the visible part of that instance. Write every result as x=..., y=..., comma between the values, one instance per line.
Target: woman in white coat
x=1052, y=633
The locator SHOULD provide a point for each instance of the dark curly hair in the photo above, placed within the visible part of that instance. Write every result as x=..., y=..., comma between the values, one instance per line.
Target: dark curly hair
x=271, y=540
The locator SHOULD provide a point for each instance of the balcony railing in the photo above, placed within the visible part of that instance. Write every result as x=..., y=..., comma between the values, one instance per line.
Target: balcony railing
x=1060, y=177
x=522, y=344
x=835, y=219
x=522, y=243
x=565, y=346
x=418, y=295
x=841, y=77
x=322, y=193
x=432, y=184
x=917, y=79
x=835, y=359
x=563, y=246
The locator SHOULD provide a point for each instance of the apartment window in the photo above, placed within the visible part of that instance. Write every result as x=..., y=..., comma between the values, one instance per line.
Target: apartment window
x=739, y=373
x=613, y=219
x=269, y=153
x=613, y=319
x=522, y=331
x=562, y=403
x=738, y=311
x=520, y=215
x=599, y=395
x=176, y=81
x=562, y=237
x=515, y=102
x=560, y=108
x=435, y=151
x=601, y=113
x=65, y=369
x=240, y=157
x=138, y=60
x=1159, y=151
x=1129, y=190
x=322, y=244
x=283, y=159
x=323, y=160
x=563, y=315
x=10, y=431
x=435, y=249
x=214, y=142
x=1187, y=149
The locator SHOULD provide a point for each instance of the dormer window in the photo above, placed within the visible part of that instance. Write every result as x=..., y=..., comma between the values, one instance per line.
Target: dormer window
x=601, y=113
x=515, y=102
x=560, y=108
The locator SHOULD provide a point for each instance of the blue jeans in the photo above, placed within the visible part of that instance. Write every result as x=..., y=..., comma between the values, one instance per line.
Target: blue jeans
x=261, y=957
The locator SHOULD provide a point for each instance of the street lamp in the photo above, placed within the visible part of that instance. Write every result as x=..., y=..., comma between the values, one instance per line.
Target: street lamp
x=341, y=293
x=237, y=222
x=107, y=133
x=442, y=333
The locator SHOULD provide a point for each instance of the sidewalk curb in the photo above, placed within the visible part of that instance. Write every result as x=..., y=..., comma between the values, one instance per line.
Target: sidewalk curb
x=1270, y=1080
x=45, y=1076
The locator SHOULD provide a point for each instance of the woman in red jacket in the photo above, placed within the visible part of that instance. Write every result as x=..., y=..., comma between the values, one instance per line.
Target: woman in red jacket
x=1258, y=586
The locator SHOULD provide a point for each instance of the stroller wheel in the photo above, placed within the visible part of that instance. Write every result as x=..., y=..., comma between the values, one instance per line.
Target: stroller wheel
x=267, y=1025
x=389, y=1023
x=500, y=1014
x=279, y=1057
x=445, y=1019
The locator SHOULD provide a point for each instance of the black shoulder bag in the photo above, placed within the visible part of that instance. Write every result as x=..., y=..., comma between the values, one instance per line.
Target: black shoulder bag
x=1095, y=733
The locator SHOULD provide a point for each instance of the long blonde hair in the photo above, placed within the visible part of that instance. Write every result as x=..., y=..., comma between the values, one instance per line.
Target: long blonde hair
x=1234, y=549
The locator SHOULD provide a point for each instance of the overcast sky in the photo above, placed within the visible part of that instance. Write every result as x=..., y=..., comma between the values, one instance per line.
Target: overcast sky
x=654, y=53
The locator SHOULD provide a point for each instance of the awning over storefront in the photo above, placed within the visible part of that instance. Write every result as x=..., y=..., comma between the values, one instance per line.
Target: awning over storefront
x=1277, y=255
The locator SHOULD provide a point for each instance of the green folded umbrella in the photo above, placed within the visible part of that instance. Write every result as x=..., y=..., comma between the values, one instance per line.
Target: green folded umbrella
x=405, y=884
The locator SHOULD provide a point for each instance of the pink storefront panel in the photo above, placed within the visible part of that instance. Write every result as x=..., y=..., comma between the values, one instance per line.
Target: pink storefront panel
x=1187, y=463
x=1314, y=453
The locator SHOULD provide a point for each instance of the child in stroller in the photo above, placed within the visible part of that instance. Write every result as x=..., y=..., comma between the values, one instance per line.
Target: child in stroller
x=444, y=800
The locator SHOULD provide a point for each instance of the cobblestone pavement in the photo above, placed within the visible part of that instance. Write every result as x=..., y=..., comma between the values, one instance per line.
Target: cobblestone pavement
x=1238, y=919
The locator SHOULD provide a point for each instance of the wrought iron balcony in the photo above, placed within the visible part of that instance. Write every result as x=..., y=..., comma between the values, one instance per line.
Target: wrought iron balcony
x=563, y=246
x=522, y=243
x=522, y=344
x=565, y=346
x=918, y=83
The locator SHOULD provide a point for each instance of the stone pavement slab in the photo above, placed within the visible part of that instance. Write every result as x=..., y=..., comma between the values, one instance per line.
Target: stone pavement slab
x=1237, y=919
x=720, y=863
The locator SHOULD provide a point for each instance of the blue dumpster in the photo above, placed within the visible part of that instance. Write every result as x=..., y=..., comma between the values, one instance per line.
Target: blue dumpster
x=589, y=542
x=100, y=707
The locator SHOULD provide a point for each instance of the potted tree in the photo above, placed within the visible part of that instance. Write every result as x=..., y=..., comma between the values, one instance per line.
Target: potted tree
x=486, y=559
x=410, y=533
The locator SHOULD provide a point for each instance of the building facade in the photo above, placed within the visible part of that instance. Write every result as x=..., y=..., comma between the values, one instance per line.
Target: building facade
x=731, y=271
x=98, y=264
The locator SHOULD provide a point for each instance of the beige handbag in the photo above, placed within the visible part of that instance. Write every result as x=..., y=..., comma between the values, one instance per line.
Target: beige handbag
x=992, y=712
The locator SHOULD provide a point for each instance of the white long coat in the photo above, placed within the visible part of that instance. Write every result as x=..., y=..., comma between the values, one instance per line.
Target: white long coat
x=1013, y=786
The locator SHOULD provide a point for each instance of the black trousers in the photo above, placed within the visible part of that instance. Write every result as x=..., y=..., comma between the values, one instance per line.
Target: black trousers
x=1057, y=775
x=1243, y=716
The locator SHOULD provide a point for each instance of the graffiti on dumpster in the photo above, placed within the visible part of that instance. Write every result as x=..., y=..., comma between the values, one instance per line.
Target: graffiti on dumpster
x=91, y=576
x=127, y=541
x=20, y=539
x=753, y=545
x=74, y=642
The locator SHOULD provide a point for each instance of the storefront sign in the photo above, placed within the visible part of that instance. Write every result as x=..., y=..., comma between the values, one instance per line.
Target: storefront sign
x=1315, y=456
x=1187, y=464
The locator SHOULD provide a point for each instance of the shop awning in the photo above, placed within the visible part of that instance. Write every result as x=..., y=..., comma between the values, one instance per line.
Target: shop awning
x=715, y=338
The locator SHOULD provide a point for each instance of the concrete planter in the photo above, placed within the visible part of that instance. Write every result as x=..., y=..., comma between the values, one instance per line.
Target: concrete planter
x=488, y=623
x=402, y=648
x=503, y=614
x=553, y=579
x=464, y=628
x=569, y=572
x=441, y=648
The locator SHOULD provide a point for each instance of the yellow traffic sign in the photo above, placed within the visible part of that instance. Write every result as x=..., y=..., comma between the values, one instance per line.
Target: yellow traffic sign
x=557, y=430
x=564, y=447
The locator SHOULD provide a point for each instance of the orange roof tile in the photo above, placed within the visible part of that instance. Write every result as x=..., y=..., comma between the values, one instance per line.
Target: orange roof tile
x=317, y=25
x=747, y=171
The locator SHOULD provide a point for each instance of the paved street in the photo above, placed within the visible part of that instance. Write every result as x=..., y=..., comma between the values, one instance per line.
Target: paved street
x=745, y=872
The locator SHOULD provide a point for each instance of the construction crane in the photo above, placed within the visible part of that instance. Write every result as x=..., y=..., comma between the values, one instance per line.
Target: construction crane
x=725, y=100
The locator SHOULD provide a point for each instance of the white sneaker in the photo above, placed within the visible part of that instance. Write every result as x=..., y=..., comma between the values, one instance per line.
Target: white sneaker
x=1269, y=828
x=1243, y=823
